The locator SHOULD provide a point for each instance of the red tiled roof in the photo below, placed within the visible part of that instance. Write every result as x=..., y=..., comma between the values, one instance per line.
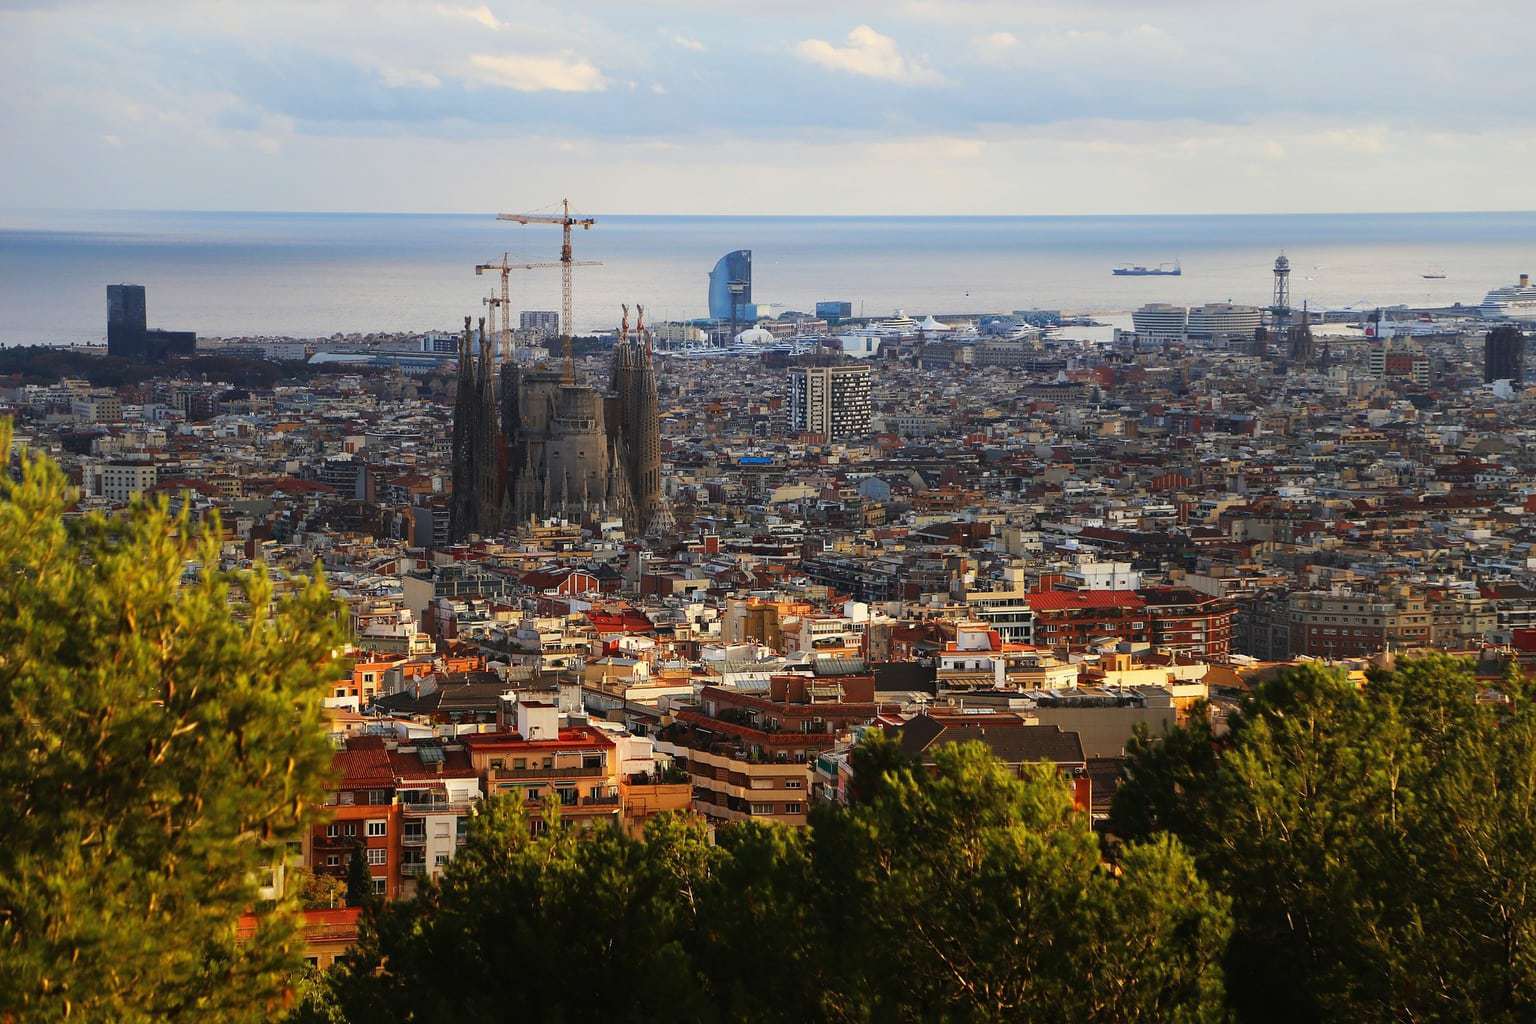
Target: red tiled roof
x=575, y=736
x=363, y=764
x=1066, y=600
x=405, y=762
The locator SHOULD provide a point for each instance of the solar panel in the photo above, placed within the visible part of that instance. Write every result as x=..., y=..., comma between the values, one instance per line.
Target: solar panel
x=430, y=755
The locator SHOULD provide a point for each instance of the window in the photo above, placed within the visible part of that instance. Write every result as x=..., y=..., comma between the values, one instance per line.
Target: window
x=440, y=860
x=379, y=886
x=332, y=861
x=497, y=764
x=378, y=828
x=567, y=796
x=519, y=762
x=347, y=798
x=332, y=831
x=463, y=825
x=378, y=796
x=762, y=808
x=793, y=808
x=377, y=856
x=794, y=783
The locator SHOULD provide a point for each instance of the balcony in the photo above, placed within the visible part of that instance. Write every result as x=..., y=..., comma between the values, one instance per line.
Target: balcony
x=436, y=807
x=576, y=772
x=413, y=869
x=406, y=839
x=600, y=800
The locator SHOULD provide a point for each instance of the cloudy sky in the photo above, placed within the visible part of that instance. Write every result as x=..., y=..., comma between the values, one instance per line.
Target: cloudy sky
x=774, y=106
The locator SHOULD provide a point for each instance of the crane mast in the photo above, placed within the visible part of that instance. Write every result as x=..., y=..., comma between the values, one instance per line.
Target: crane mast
x=566, y=222
x=505, y=267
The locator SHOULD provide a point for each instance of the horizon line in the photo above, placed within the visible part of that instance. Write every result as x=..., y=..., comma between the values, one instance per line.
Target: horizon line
x=767, y=216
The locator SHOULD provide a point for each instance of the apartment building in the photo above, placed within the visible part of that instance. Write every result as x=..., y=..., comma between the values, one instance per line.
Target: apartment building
x=1075, y=619
x=1352, y=624
x=749, y=754
x=362, y=814
x=575, y=768
x=437, y=786
x=829, y=401
x=1186, y=621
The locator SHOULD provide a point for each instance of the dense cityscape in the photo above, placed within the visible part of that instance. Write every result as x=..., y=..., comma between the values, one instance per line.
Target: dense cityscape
x=863, y=513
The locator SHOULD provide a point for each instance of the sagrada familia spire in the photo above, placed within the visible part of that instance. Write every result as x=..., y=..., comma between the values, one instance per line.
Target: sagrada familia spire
x=562, y=448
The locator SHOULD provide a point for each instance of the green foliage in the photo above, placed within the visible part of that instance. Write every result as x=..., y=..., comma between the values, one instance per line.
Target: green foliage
x=968, y=894
x=1375, y=843
x=158, y=757
x=315, y=891
x=359, y=880
x=570, y=926
x=963, y=894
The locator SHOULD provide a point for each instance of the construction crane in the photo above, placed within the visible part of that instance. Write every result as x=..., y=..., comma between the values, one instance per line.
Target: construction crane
x=506, y=266
x=566, y=222
x=493, y=303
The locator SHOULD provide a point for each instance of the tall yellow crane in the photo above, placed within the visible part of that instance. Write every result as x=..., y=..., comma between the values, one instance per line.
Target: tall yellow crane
x=566, y=222
x=505, y=267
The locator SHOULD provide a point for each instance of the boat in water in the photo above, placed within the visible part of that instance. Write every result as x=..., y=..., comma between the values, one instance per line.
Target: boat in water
x=1161, y=270
x=1433, y=274
x=1511, y=302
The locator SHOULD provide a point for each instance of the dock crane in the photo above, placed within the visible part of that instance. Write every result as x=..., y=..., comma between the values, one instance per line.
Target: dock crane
x=505, y=267
x=566, y=222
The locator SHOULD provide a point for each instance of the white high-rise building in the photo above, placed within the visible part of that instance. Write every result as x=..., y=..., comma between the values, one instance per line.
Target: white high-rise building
x=1223, y=321
x=1159, y=321
x=832, y=401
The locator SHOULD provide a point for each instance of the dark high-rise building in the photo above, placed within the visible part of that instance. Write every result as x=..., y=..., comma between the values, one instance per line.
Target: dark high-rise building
x=730, y=286
x=129, y=336
x=832, y=312
x=1504, y=354
x=127, y=318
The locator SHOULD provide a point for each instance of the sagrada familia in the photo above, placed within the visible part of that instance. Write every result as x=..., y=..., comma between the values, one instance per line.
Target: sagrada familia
x=533, y=443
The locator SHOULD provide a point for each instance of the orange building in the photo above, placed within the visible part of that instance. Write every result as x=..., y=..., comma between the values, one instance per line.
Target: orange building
x=363, y=815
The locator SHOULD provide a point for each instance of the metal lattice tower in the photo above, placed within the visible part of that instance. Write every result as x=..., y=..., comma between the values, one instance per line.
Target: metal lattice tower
x=1280, y=309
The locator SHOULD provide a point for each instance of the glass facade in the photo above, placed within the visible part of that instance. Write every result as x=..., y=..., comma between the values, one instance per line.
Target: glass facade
x=730, y=286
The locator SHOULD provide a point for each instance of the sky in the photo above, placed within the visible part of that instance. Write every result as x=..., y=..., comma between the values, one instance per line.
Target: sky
x=772, y=107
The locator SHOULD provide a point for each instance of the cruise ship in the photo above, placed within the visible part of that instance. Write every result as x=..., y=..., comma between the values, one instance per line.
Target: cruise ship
x=1511, y=302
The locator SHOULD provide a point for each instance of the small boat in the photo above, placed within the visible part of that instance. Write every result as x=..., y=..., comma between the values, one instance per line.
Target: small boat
x=1433, y=275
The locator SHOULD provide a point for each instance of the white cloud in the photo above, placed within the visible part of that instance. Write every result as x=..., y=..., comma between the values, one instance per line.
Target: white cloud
x=688, y=43
x=994, y=45
x=408, y=78
x=530, y=73
x=870, y=54
x=483, y=14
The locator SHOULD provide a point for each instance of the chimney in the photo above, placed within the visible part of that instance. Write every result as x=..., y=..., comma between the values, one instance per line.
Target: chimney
x=1525, y=280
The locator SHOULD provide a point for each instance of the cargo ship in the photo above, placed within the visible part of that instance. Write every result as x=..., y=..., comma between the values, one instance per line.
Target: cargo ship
x=1161, y=270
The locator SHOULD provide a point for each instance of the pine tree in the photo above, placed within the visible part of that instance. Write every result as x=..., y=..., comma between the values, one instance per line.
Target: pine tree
x=1375, y=842
x=160, y=753
x=359, y=880
x=961, y=894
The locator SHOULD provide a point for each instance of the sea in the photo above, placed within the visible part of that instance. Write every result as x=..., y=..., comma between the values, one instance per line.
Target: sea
x=312, y=275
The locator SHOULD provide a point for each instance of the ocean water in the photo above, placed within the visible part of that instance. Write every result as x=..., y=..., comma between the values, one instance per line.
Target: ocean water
x=308, y=275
